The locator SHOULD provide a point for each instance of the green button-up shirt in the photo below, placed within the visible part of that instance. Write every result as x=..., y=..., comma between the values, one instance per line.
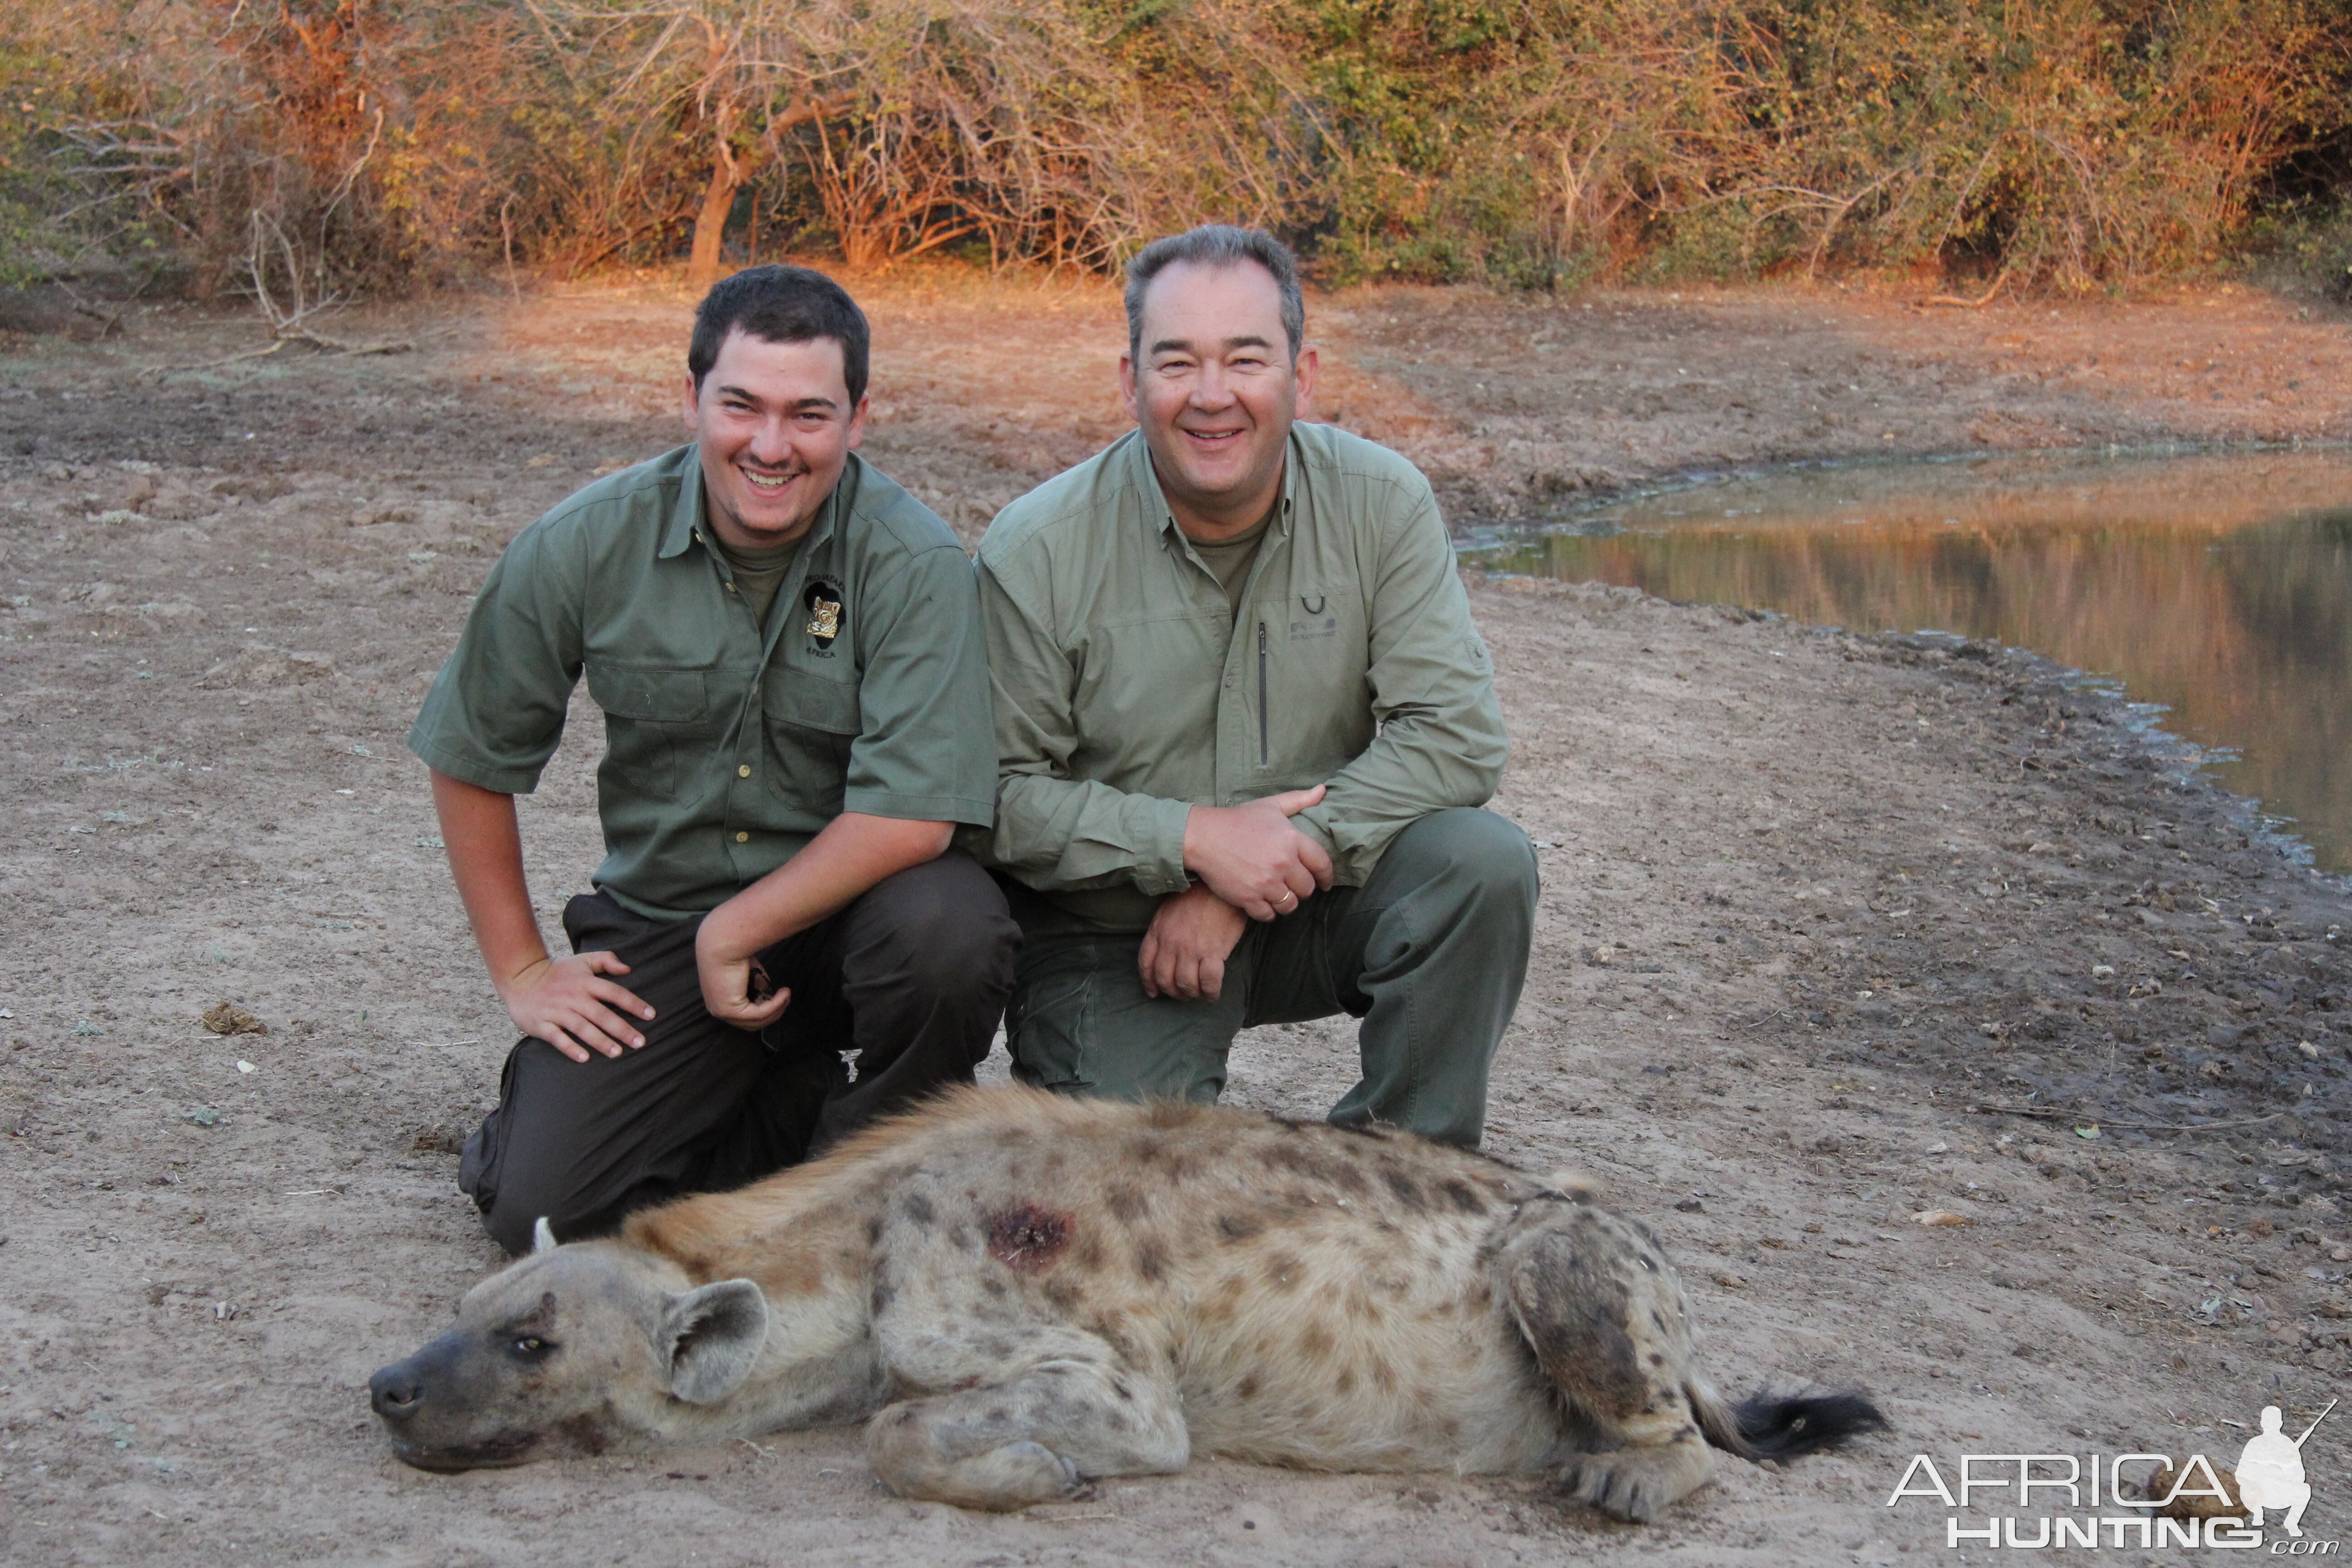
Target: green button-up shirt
x=727, y=745
x=1128, y=690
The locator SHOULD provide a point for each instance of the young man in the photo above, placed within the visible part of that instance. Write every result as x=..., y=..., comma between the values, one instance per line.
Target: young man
x=787, y=651
x=1243, y=723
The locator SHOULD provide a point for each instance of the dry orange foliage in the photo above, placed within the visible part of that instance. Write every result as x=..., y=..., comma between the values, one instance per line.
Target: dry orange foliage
x=2072, y=142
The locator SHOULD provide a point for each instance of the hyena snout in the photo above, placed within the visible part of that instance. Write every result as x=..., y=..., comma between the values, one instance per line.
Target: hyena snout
x=397, y=1392
x=418, y=1388
x=441, y=1413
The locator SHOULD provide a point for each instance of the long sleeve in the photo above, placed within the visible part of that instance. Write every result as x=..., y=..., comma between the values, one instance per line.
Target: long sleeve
x=1441, y=741
x=1057, y=832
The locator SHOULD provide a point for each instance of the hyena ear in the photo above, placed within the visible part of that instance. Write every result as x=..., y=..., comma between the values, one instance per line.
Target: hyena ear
x=542, y=1236
x=709, y=1338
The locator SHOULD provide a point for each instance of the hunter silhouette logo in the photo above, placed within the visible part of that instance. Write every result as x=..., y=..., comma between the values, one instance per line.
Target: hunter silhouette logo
x=2191, y=1503
x=2270, y=1472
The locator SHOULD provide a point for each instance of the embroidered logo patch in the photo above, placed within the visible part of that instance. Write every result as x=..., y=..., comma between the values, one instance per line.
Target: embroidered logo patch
x=1318, y=624
x=823, y=600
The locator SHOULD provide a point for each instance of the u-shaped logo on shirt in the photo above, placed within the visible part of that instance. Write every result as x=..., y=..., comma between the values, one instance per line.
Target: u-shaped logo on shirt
x=1317, y=624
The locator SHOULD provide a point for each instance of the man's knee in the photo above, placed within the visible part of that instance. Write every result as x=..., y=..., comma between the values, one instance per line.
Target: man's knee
x=509, y=1226
x=1487, y=856
x=964, y=944
x=523, y=1196
x=580, y=1144
x=943, y=929
x=582, y=1193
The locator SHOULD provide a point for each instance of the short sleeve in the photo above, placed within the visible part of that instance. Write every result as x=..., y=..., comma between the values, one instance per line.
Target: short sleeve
x=926, y=749
x=494, y=713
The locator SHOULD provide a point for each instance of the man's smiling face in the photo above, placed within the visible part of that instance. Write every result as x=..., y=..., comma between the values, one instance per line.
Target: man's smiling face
x=775, y=427
x=1214, y=386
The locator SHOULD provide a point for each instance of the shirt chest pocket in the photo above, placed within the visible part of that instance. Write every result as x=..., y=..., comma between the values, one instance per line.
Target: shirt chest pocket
x=811, y=724
x=1315, y=641
x=657, y=721
x=1316, y=615
x=1314, y=709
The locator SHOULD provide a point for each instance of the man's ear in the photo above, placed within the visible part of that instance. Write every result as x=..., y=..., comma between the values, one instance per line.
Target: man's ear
x=692, y=407
x=1309, y=367
x=709, y=1337
x=857, y=416
x=1127, y=387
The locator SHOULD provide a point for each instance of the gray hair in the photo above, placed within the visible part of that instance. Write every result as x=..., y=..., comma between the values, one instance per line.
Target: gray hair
x=1217, y=245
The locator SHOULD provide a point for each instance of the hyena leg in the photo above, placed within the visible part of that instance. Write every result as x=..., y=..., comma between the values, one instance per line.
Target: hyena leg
x=1599, y=1304
x=1030, y=1434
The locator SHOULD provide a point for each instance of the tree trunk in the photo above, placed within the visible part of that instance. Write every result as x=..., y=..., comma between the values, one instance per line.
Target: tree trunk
x=727, y=172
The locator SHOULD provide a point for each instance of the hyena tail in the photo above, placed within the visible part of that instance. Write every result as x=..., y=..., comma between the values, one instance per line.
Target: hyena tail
x=1782, y=1427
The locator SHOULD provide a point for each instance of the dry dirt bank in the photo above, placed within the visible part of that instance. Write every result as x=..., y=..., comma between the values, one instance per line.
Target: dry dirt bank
x=1530, y=407
x=1809, y=902
x=1514, y=404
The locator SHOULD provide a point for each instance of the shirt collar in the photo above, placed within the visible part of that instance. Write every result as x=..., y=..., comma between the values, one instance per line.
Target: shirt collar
x=685, y=523
x=1149, y=481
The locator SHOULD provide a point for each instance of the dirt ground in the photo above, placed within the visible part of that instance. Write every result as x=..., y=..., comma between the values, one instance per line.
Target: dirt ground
x=1813, y=906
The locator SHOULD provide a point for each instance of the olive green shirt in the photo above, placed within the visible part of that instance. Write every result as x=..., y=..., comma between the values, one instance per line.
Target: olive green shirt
x=728, y=745
x=1126, y=691
x=1229, y=559
x=758, y=574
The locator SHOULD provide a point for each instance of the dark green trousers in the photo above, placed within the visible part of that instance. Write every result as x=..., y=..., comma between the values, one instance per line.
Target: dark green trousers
x=1430, y=954
x=911, y=977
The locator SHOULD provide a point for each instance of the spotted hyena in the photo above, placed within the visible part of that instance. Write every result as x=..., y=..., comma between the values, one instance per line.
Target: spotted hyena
x=1020, y=1294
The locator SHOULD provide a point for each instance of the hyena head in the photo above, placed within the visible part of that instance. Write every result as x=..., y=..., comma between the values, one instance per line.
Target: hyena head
x=572, y=1350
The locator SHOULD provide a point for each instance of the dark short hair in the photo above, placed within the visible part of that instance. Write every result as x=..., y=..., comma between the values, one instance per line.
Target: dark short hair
x=781, y=305
x=1217, y=245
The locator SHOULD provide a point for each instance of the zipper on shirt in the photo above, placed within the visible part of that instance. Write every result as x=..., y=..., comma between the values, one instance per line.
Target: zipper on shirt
x=1261, y=694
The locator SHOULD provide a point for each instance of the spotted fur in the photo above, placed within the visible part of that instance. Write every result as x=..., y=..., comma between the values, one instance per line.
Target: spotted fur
x=1022, y=1293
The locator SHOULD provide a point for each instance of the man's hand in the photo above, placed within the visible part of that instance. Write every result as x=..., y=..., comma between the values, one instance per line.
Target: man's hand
x=855, y=852
x=1250, y=856
x=734, y=987
x=1184, y=953
x=568, y=1003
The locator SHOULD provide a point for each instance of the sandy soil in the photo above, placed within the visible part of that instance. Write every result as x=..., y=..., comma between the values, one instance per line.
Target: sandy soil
x=1813, y=904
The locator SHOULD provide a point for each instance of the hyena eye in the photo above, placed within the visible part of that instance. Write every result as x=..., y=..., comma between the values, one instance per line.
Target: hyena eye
x=529, y=1347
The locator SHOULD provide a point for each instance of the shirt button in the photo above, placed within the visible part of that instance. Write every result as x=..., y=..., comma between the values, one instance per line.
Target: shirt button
x=743, y=838
x=730, y=587
x=743, y=771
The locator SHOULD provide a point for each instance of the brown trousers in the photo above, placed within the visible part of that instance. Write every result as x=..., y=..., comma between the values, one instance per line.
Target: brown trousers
x=907, y=983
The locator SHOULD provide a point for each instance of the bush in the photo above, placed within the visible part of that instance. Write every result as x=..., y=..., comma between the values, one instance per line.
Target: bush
x=2074, y=143
x=2302, y=247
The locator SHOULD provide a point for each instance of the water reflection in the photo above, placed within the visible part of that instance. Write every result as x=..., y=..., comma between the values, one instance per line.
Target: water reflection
x=2219, y=585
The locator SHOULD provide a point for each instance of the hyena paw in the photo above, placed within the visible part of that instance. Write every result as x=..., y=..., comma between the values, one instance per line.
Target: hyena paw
x=1034, y=1473
x=1008, y=1476
x=1634, y=1486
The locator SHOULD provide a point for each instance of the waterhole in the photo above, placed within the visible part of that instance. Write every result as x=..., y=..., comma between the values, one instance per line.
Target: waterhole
x=2217, y=585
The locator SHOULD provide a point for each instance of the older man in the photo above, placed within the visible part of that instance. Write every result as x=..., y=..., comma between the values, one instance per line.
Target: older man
x=1245, y=726
x=787, y=651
